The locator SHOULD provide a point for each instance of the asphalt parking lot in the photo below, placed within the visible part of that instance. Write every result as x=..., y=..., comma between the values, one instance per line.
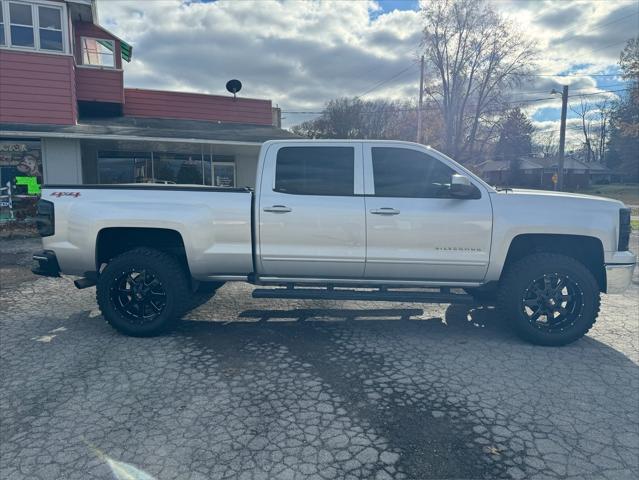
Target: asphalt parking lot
x=274, y=389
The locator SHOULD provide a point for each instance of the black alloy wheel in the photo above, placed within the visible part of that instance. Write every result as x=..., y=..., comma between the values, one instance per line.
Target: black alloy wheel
x=143, y=292
x=553, y=302
x=549, y=298
x=139, y=296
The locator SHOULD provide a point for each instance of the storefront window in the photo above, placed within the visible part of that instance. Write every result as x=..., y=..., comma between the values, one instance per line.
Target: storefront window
x=178, y=168
x=119, y=167
x=20, y=177
x=223, y=174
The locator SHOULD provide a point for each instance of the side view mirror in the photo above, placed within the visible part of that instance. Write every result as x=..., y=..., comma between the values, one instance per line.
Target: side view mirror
x=460, y=187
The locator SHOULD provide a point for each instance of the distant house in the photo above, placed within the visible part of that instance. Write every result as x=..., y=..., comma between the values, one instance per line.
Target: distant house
x=537, y=172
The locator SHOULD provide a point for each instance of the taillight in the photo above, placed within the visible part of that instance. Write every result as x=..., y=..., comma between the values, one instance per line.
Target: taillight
x=45, y=218
x=624, y=229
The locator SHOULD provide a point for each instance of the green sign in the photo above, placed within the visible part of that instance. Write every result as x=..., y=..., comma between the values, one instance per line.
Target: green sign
x=33, y=187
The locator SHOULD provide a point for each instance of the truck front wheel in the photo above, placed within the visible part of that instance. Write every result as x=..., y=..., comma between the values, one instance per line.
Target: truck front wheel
x=549, y=299
x=141, y=292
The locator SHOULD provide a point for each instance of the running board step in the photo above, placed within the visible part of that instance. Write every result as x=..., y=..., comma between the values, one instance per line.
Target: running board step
x=378, y=295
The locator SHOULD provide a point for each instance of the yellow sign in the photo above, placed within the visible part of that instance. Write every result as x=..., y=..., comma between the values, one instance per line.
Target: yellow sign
x=554, y=178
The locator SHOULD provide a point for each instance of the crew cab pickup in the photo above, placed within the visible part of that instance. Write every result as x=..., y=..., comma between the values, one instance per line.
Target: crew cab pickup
x=351, y=219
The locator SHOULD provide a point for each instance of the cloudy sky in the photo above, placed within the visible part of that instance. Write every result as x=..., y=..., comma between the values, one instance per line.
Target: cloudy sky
x=301, y=54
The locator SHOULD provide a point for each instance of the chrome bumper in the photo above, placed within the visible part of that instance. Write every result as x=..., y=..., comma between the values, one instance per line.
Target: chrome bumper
x=618, y=277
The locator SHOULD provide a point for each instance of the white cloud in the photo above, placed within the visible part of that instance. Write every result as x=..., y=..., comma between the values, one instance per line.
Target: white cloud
x=301, y=54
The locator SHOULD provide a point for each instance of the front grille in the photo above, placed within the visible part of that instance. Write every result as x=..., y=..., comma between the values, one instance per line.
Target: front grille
x=624, y=229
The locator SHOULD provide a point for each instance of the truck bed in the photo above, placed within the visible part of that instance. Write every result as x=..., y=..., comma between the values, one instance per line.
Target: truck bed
x=214, y=223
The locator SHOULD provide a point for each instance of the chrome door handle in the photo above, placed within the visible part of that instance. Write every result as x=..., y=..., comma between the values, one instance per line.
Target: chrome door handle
x=278, y=209
x=385, y=211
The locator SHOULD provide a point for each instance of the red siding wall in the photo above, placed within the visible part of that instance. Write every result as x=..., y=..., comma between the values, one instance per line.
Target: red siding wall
x=194, y=106
x=99, y=85
x=36, y=88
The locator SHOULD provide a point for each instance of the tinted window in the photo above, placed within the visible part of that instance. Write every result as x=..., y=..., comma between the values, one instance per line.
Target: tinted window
x=400, y=172
x=315, y=170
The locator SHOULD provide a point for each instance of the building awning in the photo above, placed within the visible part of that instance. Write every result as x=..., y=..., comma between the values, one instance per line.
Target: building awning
x=154, y=129
x=126, y=50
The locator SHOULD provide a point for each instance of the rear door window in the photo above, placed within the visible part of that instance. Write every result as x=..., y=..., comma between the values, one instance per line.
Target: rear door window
x=315, y=171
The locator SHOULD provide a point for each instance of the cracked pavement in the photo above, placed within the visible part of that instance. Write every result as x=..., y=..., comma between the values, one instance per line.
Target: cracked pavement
x=280, y=389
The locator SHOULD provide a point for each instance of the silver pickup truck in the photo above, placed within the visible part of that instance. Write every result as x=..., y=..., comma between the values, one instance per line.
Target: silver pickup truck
x=369, y=220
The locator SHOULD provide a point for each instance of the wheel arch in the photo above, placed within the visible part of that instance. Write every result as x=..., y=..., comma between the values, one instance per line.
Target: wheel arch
x=586, y=249
x=113, y=241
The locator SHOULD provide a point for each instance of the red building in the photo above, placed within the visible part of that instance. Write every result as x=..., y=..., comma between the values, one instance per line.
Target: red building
x=66, y=117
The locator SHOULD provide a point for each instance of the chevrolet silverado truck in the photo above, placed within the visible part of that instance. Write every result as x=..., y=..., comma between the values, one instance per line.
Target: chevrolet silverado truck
x=342, y=220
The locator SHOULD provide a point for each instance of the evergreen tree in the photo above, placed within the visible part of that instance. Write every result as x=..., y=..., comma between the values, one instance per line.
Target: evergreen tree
x=515, y=142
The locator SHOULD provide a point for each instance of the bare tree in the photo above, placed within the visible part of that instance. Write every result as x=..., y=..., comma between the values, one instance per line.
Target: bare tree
x=473, y=57
x=356, y=118
x=547, y=144
x=594, y=118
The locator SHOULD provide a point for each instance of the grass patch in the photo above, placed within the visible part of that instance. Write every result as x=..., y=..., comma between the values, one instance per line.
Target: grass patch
x=627, y=193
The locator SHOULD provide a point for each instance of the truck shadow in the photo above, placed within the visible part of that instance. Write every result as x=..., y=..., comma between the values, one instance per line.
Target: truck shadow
x=473, y=320
x=445, y=391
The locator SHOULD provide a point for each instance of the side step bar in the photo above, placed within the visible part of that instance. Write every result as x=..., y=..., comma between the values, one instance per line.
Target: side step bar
x=377, y=295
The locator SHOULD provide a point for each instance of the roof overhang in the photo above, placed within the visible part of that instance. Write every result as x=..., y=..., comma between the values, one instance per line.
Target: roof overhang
x=152, y=130
x=134, y=138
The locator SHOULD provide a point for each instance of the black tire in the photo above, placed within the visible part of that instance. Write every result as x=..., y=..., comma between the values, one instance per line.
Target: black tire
x=161, y=283
x=556, y=284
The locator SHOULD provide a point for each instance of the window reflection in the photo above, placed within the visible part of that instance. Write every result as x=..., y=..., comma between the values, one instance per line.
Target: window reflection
x=178, y=168
x=166, y=167
x=116, y=167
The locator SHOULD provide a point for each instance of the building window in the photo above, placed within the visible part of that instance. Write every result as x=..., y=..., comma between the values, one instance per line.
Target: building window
x=50, y=24
x=223, y=174
x=181, y=169
x=167, y=168
x=98, y=52
x=2, y=40
x=124, y=167
x=21, y=18
x=35, y=26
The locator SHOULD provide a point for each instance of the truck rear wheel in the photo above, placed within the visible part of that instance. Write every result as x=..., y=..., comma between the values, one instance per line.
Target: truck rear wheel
x=141, y=292
x=549, y=299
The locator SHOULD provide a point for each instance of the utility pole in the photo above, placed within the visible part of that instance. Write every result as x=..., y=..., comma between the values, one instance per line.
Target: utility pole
x=562, y=138
x=421, y=101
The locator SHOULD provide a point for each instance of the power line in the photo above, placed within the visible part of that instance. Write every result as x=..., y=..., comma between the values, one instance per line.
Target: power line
x=383, y=82
x=608, y=46
x=578, y=89
x=616, y=20
x=532, y=100
x=567, y=74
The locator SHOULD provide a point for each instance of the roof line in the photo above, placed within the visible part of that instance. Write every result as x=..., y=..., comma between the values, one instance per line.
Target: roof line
x=87, y=136
x=158, y=90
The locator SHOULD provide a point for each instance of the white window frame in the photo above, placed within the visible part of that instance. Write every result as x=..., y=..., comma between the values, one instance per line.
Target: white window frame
x=4, y=21
x=35, y=15
x=87, y=65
